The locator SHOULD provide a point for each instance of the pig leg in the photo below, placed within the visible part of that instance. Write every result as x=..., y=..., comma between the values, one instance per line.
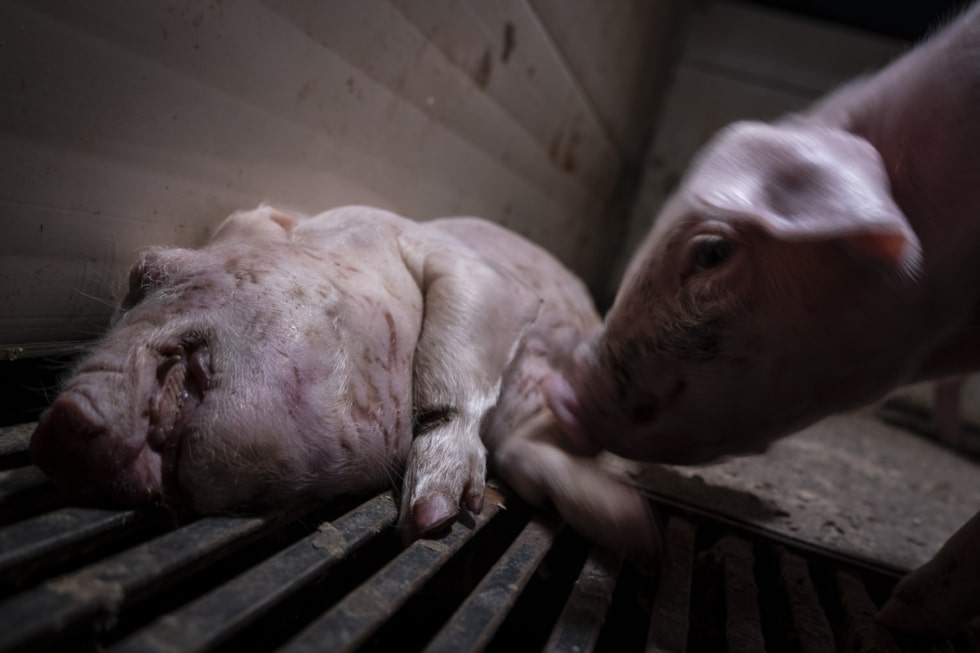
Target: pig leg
x=551, y=471
x=474, y=316
x=534, y=463
x=942, y=595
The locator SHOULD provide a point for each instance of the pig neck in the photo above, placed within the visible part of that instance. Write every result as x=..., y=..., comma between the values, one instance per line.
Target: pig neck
x=920, y=113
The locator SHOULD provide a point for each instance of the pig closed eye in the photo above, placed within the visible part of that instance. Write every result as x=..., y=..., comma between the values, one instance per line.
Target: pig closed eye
x=711, y=251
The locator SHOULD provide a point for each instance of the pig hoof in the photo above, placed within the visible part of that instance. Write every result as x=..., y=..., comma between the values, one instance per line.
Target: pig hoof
x=433, y=513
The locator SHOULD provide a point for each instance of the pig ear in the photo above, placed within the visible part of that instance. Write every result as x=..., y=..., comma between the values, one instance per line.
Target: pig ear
x=805, y=184
x=263, y=221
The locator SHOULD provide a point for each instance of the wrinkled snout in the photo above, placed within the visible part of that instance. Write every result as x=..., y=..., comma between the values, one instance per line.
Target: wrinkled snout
x=82, y=454
x=587, y=414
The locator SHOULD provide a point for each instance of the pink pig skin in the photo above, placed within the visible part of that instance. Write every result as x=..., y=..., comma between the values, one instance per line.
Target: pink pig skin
x=801, y=268
x=294, y=357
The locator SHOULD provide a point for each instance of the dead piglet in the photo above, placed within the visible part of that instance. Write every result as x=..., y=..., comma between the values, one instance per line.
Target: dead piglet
x=292, y=357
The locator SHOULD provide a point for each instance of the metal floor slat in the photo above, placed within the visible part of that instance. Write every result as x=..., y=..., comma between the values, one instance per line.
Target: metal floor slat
x=334, y=577
x=348, y=624
x=102, y=588
x=207, y=622
x=474, y=623
x=580, y=623
x=30, y=540
x=15, y=483
x=743, y=624
x=23, y=488
x=669, y=619
x=804, y=603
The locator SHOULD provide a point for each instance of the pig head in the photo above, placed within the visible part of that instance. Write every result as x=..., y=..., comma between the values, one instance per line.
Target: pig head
x=747, y=312
x=800, y=268
x=242, y=372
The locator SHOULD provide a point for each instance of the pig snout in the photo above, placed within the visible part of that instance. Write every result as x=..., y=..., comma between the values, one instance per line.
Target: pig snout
x=593, y=410
x=77, y=449
x=583, y=419
x=110, y=434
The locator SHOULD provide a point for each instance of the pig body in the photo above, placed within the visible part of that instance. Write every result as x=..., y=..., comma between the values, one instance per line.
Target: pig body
x=801, y=268
x=301, y=357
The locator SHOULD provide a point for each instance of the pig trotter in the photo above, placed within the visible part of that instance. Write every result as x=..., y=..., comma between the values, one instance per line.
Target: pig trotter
x=534, y=462
x=475, y=316
x=433, y=512
x=446, y=469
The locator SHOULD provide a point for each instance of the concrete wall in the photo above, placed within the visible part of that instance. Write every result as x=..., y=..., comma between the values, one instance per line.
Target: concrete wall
x=125, y=124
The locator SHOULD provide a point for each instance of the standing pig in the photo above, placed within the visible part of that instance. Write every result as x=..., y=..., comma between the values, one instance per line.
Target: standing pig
x=309, y=357
x=803, y=268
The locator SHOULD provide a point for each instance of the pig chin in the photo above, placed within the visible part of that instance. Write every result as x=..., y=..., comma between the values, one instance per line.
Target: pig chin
x=655, y=443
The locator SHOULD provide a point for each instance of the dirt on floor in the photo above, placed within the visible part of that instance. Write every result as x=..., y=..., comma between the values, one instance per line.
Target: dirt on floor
x=850, y=484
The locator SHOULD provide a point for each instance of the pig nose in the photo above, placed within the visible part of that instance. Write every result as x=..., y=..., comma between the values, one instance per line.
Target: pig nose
x=75, y=446
x=61, y=445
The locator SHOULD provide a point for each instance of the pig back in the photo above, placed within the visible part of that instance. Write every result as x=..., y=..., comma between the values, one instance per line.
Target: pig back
x=565, y=299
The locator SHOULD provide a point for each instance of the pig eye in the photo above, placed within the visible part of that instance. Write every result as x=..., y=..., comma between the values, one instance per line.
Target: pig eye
x=711, y=251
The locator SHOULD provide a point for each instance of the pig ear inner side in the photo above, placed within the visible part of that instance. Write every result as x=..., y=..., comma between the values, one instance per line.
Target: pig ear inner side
x=287, y=222
x=263, y=221
x=892, y=245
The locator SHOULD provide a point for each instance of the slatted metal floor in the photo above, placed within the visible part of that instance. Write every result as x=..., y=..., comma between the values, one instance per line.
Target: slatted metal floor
x=337, y=578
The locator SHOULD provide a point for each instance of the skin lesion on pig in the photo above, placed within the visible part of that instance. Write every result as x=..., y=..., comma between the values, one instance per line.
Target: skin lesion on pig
x=294, y=357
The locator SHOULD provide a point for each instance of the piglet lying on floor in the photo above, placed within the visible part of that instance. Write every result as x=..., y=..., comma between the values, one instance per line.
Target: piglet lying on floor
x=309, y=357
